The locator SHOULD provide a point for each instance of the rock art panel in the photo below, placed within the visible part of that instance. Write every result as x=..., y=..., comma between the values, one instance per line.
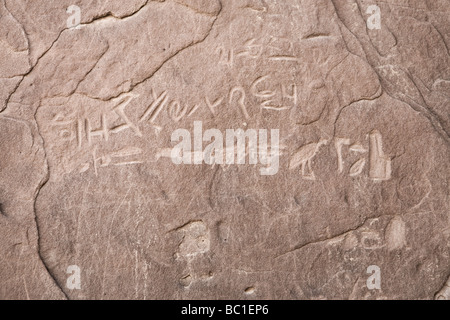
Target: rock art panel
x=245, y=149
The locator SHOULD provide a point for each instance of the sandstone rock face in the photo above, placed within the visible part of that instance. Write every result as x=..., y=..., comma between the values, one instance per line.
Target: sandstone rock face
x=350, y=199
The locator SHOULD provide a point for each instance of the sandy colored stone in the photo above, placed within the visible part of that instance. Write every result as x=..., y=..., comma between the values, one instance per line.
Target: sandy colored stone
x=86, y=178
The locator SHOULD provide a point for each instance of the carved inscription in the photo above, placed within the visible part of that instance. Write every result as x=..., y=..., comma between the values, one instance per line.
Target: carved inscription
x=379, y=163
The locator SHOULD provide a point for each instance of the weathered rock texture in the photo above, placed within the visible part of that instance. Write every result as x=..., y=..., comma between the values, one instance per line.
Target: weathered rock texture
x=86, y=119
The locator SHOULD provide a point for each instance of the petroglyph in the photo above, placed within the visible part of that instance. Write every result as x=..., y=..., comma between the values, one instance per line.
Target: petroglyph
x=396, y=234
x=322, y=152
x=195, y=240
x=303, y=158
x=444, y=293
x=380, y=165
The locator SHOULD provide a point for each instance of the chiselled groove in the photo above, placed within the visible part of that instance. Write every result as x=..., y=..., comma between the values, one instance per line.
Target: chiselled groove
x=56, y=40
x=444, y=292
x=92, y=69
x=32, y=68
x=41, y=185
x=23, y=30
x=147, y=171
x=377, y=95
x=194, y=10
x=421, y=108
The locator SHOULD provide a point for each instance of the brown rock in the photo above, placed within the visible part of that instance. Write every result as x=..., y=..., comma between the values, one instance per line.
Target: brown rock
x=93, y=205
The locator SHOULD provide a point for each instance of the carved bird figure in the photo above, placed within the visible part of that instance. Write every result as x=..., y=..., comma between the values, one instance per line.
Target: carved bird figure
x=304, y=156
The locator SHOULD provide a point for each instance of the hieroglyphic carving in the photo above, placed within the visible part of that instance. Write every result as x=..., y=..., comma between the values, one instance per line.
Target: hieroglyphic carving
x=368, y=237
x=444, y=293
x=251, y=49
x=357, y=167
x=281, y=97
x=371, y=240
x=338, y=143
x=66, y=127
x=226, y=57
x=380, y=165
x=110, y=159
x=212, y=105
x=102, y=132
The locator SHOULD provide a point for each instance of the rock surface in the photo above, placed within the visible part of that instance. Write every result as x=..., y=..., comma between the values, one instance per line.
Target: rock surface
x=93, y=207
